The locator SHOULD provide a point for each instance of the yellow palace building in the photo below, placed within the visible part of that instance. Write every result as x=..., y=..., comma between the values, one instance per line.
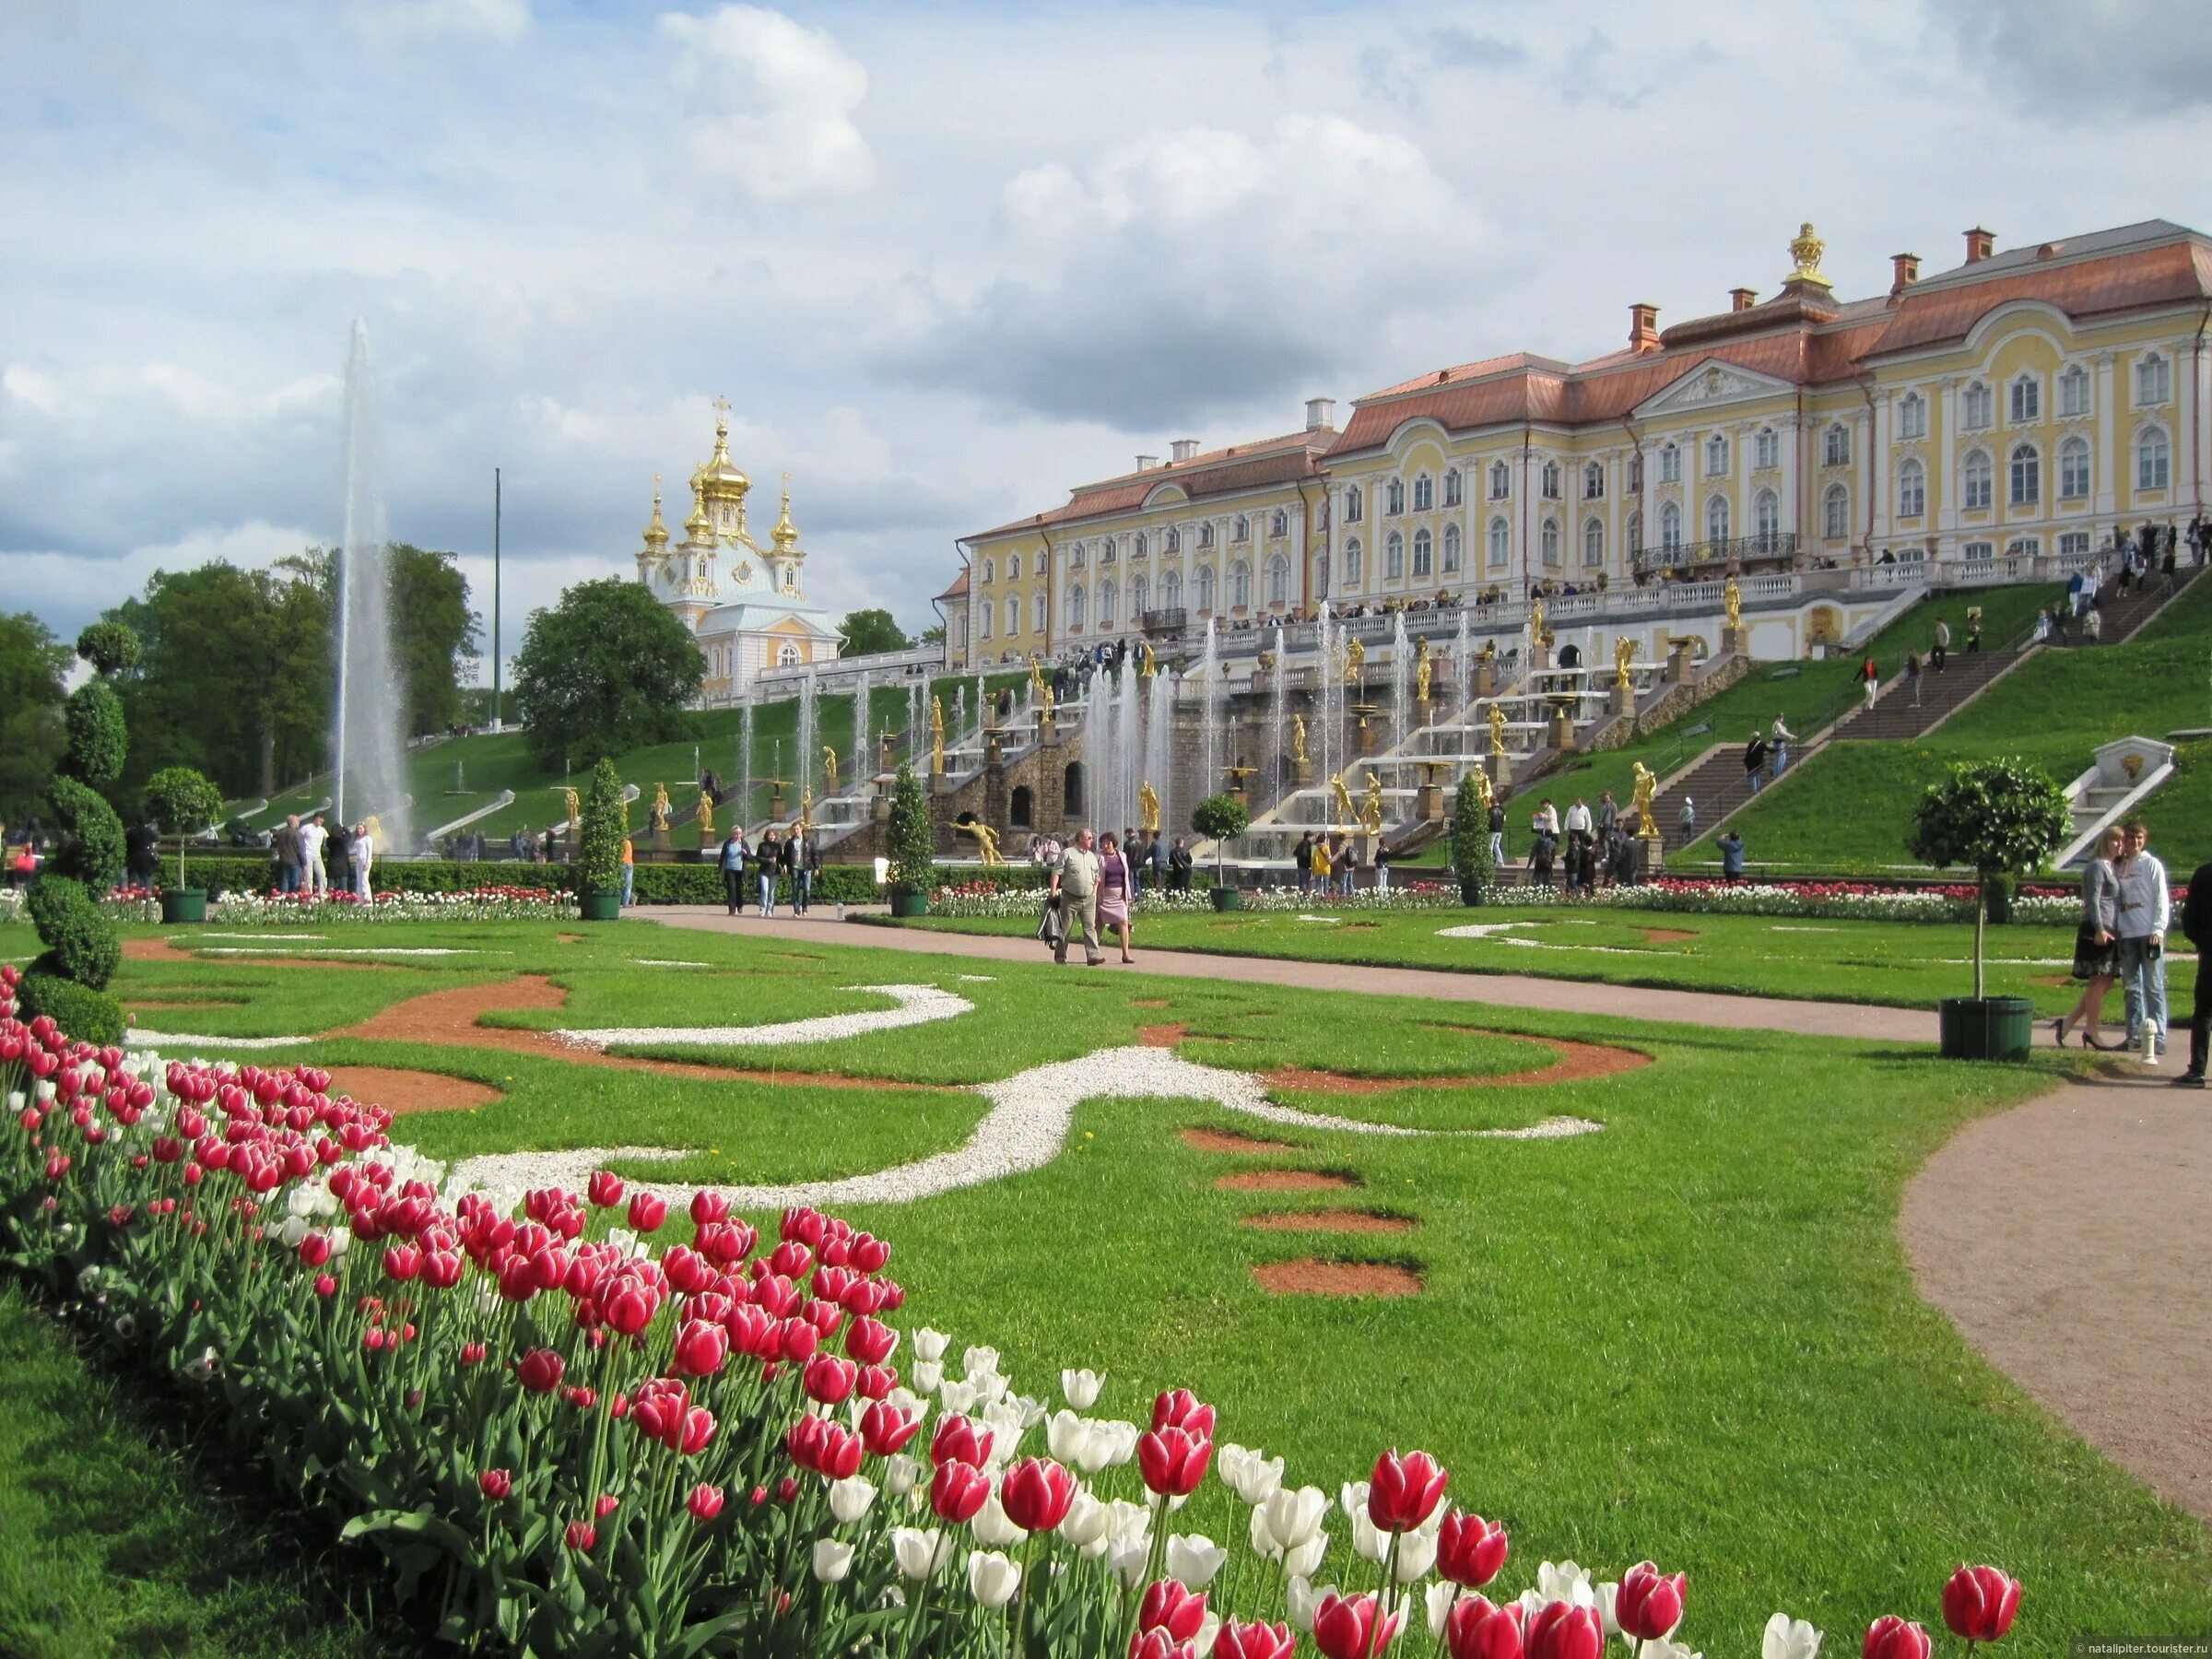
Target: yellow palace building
x=2029, y=402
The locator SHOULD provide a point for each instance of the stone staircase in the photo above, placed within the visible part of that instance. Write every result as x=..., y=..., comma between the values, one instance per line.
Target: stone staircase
x=2124, y=618
x=1897, y=717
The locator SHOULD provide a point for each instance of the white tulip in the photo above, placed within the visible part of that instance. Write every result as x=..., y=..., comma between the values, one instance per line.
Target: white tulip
x=925, y=1375
x=1082, y=1387
x=1369, y=1542
x=1064, y=1433
x=1352, y=1498
x=1439, y=1599
x=1118, y=1440
x=919, y=1555
x=1303, y=1600
x=833, y=1561
x=1251, y=1475
x=978, y=1362
x=1208, y=1629
x=1416, y=1554
x=1129, y=1561
x=1563, y=1580
x=295, y=1229
x=851, y=1498
x=992, y=1527
x=1262, y=1541
x=930, y=1345
x=1294, y=1516
x=341, y=1240
x=956, y=1398
x=1606, y=1594
x=1305, y=1558
x=1788, y=1638
x=1194, y=1560
x=990, y=1386
x=992, y=1579
x=1659, y=1647
x=901, y=1474
x=1129, y=1522
x=1089, y=1522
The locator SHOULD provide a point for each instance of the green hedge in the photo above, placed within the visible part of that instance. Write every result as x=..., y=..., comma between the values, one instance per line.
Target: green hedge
x=80, y=942
x=89, y=1016
x=91, y=843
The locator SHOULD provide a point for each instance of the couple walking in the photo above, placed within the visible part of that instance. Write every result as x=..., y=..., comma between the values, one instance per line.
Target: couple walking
x=2126, y=910
x=1092, y=887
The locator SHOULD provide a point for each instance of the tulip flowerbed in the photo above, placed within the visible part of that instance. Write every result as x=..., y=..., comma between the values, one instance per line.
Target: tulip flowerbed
x=981, y=901
x=560, y=1437
x=291, y=909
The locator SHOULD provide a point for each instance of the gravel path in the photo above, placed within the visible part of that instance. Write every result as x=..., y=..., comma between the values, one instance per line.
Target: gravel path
x=914, y=1004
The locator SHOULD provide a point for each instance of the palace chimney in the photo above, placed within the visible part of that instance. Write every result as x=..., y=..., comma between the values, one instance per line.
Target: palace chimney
x=1643, y=327
x=1742, y=299
x=1980, y=244
x=1183, y=449
x=1320, y=414
x=1147, y=463
x=1904, y=271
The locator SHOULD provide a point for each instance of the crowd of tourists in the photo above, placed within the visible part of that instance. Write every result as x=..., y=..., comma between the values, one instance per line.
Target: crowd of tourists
x=1095, y=882
x=782, y=865
x=2127, y=913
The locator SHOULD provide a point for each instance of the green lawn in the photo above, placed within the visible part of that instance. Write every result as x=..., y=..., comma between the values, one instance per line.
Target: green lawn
x=1691, y=1335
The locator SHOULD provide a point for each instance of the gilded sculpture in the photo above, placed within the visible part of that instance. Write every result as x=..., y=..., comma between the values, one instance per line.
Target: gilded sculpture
x=1370, y=809
x=1538, y=634
x=1148, y=808
x=1624, y=653
x=1732, y=600
x=574, y=808
x=1647, y=785
x=986, y=842
x=1147, y=662
x=1496, y=719
x=1350, y=814
x=660, y=808
x=1355, y=660
x=937, y=735
x=1424, y=672
x=706, y=818
x=828, y=770
x=1806, y=249
x=1297, y=738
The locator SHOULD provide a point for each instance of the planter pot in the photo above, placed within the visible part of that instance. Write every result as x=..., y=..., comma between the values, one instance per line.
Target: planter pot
x=1227, y=899
x=904, y=904
x=1986, y=1027
x=600, y=907
x=1470, y=893
x=183, y=905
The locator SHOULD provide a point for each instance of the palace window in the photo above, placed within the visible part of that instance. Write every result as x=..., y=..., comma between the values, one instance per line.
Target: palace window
x=1451, y=549
x=1636, y=472
x=1716, y=456
x=1766, y=449
x=1037, y=611
x=2074, y=544
x=1013, y=614
x=1716, y=519
x=1594, y=541
x=1075, y=606
x=1501, y=542
x=1171, y=540
x=1451, y=488
x=1320, y=575
x=1240, y=528
x=1593, y=481
x=1670, y=464
x=2154, y=459
x=1205, y=587
x=1013, y=567
x=1835, y=512
x=1106, y=598
x=1352, y=562
x=1394, y=495
x=990, y=572
x=1139, y=591
x=1766, y=517
x=1835, y=445
x=1355, y=504
x=2074, y=469
x=1239, y=586
x=1552, y=480
x=1205, y=536
x=788, y=655
x=983, y=625
x=1977, y=408
x=1424, y=554
x=1636, y=532
x=2074, y=391
x=1106, y=551
x=1670, y=526
x=1278, y=581
x=2154, y=381
x=1140, y=546
x=1424, y=493
x=1279, y=525
x=2024, y=547
x=1170, y=589
x=1977, y=480
x=1913, y=415
x=1551, y=543
x=2027, y=469
x=1075, y=558
x=1394, y=557
x=1980, y=549
x=1911, y=489
x=2027, y=400
x=1501, y=480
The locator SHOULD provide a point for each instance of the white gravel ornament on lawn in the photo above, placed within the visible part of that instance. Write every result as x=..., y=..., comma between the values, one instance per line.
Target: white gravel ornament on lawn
x=918, y=1004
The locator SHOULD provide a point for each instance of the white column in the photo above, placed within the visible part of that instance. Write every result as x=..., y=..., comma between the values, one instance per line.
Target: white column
x=2110, y=454
x=1792, y=515
x=1878, y=423
x=1947, y=518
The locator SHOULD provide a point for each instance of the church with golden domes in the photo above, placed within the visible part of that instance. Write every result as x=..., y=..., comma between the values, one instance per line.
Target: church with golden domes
x=746, y=607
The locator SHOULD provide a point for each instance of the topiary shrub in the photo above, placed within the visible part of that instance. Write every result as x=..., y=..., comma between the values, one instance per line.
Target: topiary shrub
x=1471, y=841
x=908, y=837
x=79, y=941
x=181, y=802
x=97, y=736
x=2000, y=818
x=1221, y=818
x=91, y=847
x=110, y=647
x=605, y=824
x=87, y=1014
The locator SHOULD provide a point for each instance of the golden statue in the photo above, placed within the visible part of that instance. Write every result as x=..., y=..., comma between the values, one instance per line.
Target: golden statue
x=1355, y=659
x=1488, y=653
x=1148, y=808
x=1483, y=794
x=1624, y=653
x=1040, y=693
x=660, y=807
x=1647, y=785
x=1496, y=719
x=986, y=842
x=937, y=735
x=1349, y=813
x=1266, y=662
x=1371, y=811
x=805, y=823
x=1805, y=256
x=884, y=755
x=1732, y=600
x=706, y=818
x=1147, y=663
x=1297, y=738
x=1539, y=633
x=828, y=770
x=575, y=809
x=1424, y=672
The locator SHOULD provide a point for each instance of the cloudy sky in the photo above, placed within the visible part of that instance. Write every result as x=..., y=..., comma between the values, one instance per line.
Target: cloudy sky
x=943, y=260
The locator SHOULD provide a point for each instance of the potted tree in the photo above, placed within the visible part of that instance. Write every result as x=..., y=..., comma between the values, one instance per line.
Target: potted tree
x=2001, y=818
x=182, y=802
x=1471, y=844
x=911, y=846
x=605, y=827
x=1221, y=818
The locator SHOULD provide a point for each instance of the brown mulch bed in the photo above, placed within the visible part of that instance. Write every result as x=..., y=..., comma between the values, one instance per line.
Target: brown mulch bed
x=405, y=1091
x=1328, y=1221
x=1576, y=1061
x=1229, y=1141
x=1309, y=1277
x=1285, y=1180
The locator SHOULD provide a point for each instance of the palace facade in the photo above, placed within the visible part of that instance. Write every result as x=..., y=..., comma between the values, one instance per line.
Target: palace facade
x=746, y=607
x=2029, y=401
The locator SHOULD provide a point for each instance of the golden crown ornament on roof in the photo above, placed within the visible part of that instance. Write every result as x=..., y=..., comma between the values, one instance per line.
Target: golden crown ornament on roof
x=1806, y=249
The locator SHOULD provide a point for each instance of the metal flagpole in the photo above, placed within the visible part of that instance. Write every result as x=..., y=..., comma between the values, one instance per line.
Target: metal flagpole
x=495, y=598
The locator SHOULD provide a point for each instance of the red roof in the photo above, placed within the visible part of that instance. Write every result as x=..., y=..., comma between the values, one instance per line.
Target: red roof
x=1216, y=472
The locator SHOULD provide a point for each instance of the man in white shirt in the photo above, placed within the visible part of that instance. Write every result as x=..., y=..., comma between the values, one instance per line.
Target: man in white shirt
x=1075, y=885
x=2141, y=913
x=312, y=835
x=1578, y=818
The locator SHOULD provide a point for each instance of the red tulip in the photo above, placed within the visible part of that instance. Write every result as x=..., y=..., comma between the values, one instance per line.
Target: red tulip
x=957, y=1440
x=496, y=1483
x=1404, y=1491
x=1172, y=1461
x=1036, y=1494
x=647, y=1212
x=1159, y=1645
x=582, y=1535
x=696, y=1432
x=606, y=1505
x=708, y=1206
x=1559, y=1631
x=700, y=1348
x=704, y=1503
x=1891, y=1636
x=829, y=1380
x=1255, y=1642
x=314, y=1250
x=326, y=1286
x=957, y=1491
x=1470, y=1550
x=1978, y=1603
x=1352, y=1627
x=1649, y=1604
x=1478, y=1631
x=441, y=1269
x=871, y=1341
x=627, y=1310
x=539, y=1371
x=605, y=1189
x=877, y=1381
x=1169, y=1606
x=885, y=1429
x=1179, y=1409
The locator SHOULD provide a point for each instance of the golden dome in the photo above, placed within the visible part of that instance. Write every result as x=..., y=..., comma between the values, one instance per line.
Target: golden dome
x=656, y=533
x=721, y=479
x=786, y=534
x=700, y=525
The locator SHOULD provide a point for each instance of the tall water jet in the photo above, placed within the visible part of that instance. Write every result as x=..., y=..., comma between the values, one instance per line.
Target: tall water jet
x=1128, y=749
x=368, y=777
x=808, y=734
x=860, y=765
x=1209, y=714
x=1159, y=747
x=1401, y=680
x=1097, y=744
x=744, y=763
x=1278, y=718
x=1332, y=697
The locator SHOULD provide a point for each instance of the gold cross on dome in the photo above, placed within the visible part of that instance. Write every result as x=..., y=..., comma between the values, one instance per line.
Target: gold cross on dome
x=721, y=405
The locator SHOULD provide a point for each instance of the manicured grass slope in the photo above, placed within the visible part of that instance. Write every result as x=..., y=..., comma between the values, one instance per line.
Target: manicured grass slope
x=1691, y=1335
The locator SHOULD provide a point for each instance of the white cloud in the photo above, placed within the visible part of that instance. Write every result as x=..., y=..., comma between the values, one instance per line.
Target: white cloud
x=72, y=590
x=30, y=387
x=410, y=22
x=768, y=103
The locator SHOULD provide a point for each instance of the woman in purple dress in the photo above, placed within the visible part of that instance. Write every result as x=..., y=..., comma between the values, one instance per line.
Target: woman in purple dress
x=1116, y=887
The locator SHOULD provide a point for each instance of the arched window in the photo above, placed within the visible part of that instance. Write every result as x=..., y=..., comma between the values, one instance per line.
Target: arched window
x=1424, y=554
x=1170, y=589
x=1977, y=407
x=1037, y=611
x=787, y=655
x=1716, y=519
x=1716, y=456
x=1013, y=613
x=1636, y=532
x=1451, y=488
x=1766, y=517
x=1670, y=464
x=1239, y=586
x=1106, y=598
x=1279, y=525
x=1501, y=542
x=1240, y=528
x=1977, y=481
x=1320, y=575
x=1106, y=551
x=1075, y=606
x=1394, y=557
x=1278, y=581
x=2154, y=459
x=1020, y=807
x=2027, y=399
x=1835, y=445
x=1670, y=526
x=1593, y=481
x=1139, y=591
x=1352, y=562
x=1075, y=559
x=2074, y=391
x=2154, y=379
x=1913, y=415
x=1141, y=545
x=983, y=619
x=1594, y=541
x=1205, y=536
x=1071, y=788
x=1501, y=480
x=1013, y=567
x=1451, y=549
x=1205, y=587
x=2074, y=469
x=1394, y=495
x=1552, y=480
x=1835, y=512
x=1550, y=543
x=2027, y=475
x=1635, y=484
x=990, y=572
x=1355, y=504
x=1911, y=489
x=1424, y=493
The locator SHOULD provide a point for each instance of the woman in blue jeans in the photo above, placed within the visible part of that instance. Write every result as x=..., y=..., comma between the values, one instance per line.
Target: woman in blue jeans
x=732, y=861
x=771, y=849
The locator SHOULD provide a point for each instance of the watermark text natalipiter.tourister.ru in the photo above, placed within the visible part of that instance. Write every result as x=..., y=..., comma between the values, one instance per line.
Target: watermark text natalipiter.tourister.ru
x=2142, y=1647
